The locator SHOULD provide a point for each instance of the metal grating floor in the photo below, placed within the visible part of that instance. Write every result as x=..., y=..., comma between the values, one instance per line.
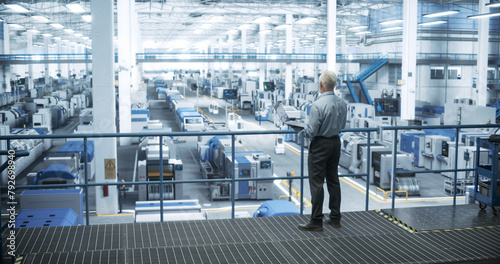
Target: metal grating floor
x=365, y=237
x=438, y=217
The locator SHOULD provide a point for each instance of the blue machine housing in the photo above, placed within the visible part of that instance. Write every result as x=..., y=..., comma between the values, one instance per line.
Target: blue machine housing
x=442, y=132
x=56, y=171
x=243, y=187
x=46, y=218
x=276, y=208
x=78, y=147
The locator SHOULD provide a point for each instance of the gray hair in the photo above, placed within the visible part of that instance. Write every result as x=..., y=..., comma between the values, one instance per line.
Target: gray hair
x=328, y=79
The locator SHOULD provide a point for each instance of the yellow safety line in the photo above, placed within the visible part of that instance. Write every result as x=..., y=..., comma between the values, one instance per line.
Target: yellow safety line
x=296, y=193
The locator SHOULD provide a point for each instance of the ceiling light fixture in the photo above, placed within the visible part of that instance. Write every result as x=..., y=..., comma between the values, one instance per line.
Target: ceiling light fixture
x=75, y=8
x=216, y=19
x=433, y=23
x=17, y=8
x=57, y=26
x=484, y=15
x=41, y=19
x=311, y=36
x=245, y=26
x=206, y=26
x=33, y=31
x=307, y=20
x=16, y=27
x=282, y=27
x=439, y=14
x=87, y=18
x=497, y=4
x=391, y=28
x=57, y=38
x=264, y=31
x=358, y=28
x=391, y=22
x=362, y=32
x=78, y=35
x=47, y=35
x=261, y=20
x=69, y=31
x=198, y=31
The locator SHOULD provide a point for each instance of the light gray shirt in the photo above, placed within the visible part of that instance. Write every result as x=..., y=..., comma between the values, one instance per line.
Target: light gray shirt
x=327, y=116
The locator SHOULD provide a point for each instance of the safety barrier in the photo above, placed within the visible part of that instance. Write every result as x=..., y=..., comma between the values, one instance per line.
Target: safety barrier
x=233, y=135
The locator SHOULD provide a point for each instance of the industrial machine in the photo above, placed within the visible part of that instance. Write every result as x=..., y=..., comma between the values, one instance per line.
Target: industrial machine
x=57, y=174
x=382, y=168
x=433, y=148
x=251, y=167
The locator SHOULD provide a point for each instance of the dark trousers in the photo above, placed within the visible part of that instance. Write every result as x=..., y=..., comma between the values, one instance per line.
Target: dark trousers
x=323, y=162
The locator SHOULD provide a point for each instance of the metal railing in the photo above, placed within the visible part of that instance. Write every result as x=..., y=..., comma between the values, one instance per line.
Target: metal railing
x=233, y=134
x=233, y=180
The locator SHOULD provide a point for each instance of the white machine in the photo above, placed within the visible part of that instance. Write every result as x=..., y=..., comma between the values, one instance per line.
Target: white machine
x=433, y=148
x=279, y=145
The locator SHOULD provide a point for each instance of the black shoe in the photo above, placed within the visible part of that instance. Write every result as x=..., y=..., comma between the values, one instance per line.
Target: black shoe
x=310, y=227
x=330, y=222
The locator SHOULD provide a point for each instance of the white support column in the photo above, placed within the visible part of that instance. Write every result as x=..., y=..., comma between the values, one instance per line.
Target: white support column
x=262, y=49
x=46, y=51
x=297, y=50
x=29, y=50
x=331, y=54
x=481, y=95
x=104, y=103
x=125, y=9
x=288, y=51
x=70, y=51
x=243, y=50
x=6, y=68
x=409, y=59
x=59, y=51
x=230, y=69
x=316, y=66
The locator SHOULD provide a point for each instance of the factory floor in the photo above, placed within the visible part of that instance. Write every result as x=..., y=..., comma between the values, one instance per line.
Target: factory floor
x=353, y=190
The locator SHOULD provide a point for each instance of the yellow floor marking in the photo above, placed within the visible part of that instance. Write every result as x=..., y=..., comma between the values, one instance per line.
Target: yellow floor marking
x=296, y=192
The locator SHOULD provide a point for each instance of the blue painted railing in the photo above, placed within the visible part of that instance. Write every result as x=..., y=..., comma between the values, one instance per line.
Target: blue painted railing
x=444, y=57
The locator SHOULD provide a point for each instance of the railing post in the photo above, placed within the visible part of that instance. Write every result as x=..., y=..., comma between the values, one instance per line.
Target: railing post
x=393, y=176
x=456, y=166
x=85, y=161
x=161, y=179
x=368, y=171
x=233, y=187
x=301, y=174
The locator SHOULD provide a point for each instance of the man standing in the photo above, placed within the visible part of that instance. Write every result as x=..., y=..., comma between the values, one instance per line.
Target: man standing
x=326, y=118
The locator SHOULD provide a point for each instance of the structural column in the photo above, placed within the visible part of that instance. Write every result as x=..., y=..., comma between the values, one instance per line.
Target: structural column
x=6, y=68
x=125, y=9
x=59, y=51
x=262, y=49
x=297, y=50
x=288, y=51
x=409, y=59
x=481, y=95
x=104, y=104
x=46, y=51
x=29, y=50
x=316, y=66
x=244, y=50
x=68, y=45
x=331, y=54
x=230, y=68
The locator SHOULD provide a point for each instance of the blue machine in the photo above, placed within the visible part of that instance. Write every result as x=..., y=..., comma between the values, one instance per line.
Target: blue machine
x=419, y=148
x=442, y=132
x=276, y=208
x=78, y=147
x=46, y=218
x=57, y=174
